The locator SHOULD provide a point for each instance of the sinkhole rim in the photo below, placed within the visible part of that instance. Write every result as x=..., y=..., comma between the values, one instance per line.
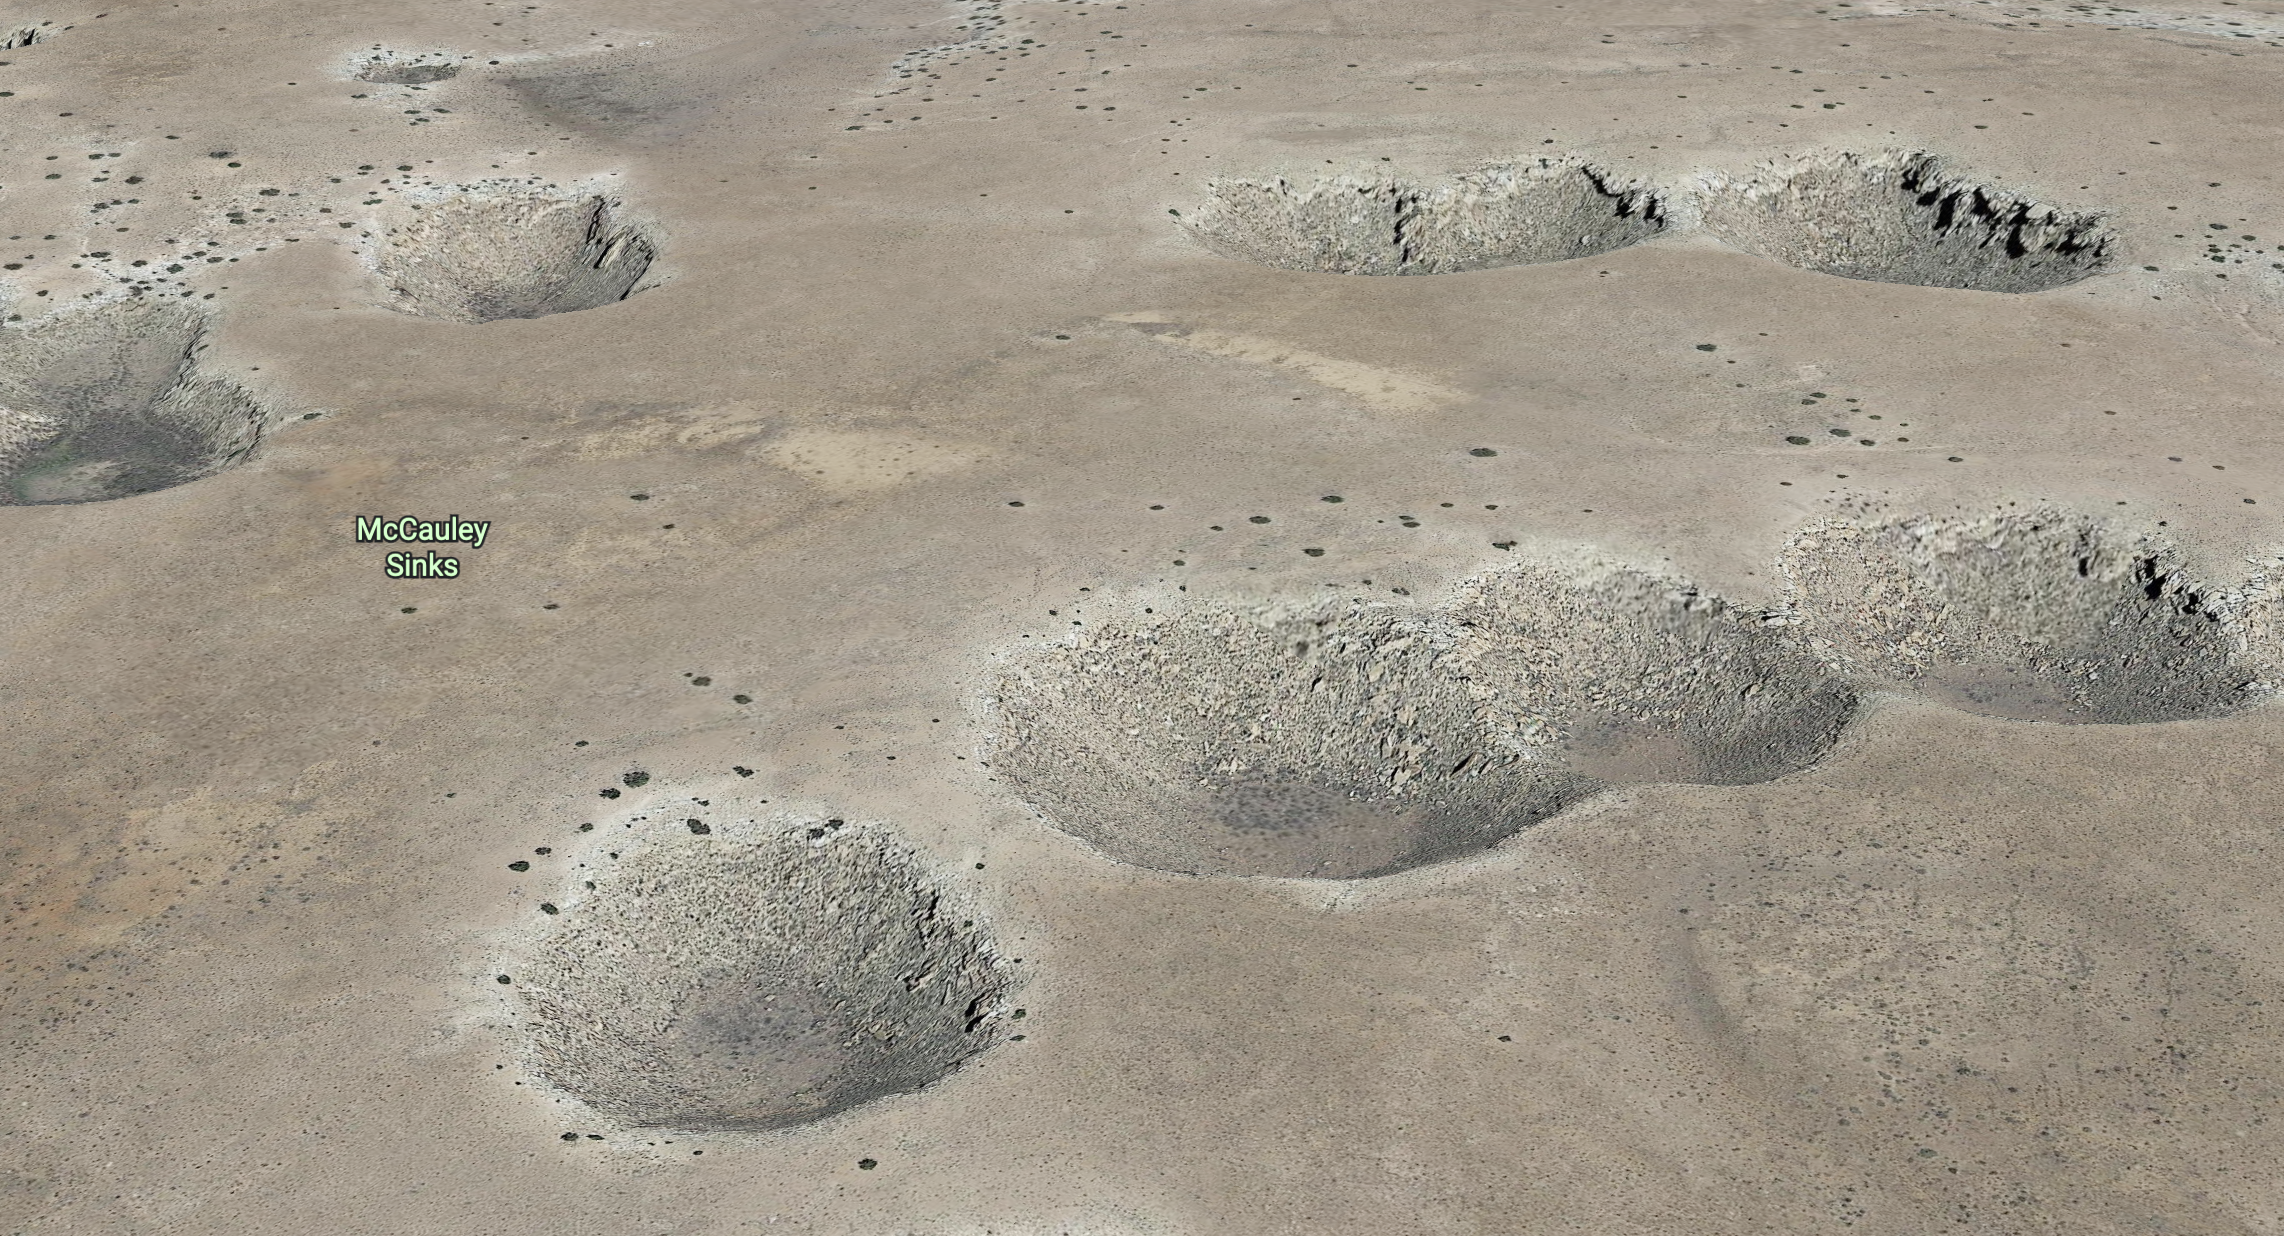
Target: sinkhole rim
x=1978, y=612
x=628, y=1002
x=1636, y=212
x=68, y=438
x=1081, y=731
x=486, y=264
x=1748, y=211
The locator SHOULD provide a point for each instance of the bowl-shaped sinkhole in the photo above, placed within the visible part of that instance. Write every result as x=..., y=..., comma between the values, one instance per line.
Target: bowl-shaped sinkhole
x=1627, y=677
x=483, y=253
x=397, y=69
x=1375, y=223
x=2040, y=616
x=757, y=975
x=1225, y=741
x=1895, y=217
x=104, y=402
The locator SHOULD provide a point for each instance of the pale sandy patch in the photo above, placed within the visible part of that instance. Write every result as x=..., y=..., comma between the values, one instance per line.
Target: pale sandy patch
x=1385, y=389
x=685, y=429
x=94, y=892
x=861, y=460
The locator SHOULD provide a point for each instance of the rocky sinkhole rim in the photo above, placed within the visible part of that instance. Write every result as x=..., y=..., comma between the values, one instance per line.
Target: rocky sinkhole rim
x=743, y=974
x=406, y=72
x=1634, y=675
x=26, y=34
x=106, y=401
x=1924, y=222
x=1367, y=220
x=495, y=250
x=2037, y=615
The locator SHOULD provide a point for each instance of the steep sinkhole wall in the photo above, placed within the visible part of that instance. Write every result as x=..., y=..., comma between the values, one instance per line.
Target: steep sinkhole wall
x=1222, y=740
x=481, y=253
x=104, y=402
x=757, y=975
x=391, y=68
x=2039, y=615
x=1377, y=223
x=1628, y=677
x=1903, y=217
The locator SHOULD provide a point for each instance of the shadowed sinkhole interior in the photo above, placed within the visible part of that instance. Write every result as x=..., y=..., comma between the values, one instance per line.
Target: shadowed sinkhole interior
x=1231, y=741
x=756, y=975
x=1363, y=741
x=620, y=100
x=1630, y=677
x=482, y=253
x=1896, y=217
x=105, y=401
x=1378, y=223
x=2041, y=616
x=391, y=69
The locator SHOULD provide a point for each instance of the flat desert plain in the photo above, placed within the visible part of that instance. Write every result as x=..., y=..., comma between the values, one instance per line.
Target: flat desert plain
x=1074, y=618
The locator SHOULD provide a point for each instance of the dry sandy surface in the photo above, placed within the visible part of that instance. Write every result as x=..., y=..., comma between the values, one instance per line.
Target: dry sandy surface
x=1633, y=617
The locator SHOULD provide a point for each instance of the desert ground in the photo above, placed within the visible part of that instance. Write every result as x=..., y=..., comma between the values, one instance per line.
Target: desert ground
x=1622, y=617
